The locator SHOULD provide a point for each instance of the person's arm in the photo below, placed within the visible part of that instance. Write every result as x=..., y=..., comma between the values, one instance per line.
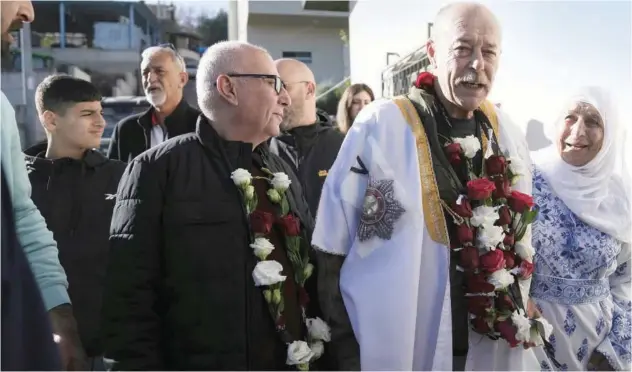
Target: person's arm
x=131, y=327
x=114, y=152
x=36, y=240
x=615, y=350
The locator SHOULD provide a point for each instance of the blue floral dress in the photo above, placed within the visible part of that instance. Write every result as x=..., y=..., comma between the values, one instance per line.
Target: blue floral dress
x=581, y=285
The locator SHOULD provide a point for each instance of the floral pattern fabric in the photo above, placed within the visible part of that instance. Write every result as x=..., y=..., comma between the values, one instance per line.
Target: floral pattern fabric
x=581, y=285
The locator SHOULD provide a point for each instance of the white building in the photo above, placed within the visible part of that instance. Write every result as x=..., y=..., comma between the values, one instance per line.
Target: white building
x=311, y=31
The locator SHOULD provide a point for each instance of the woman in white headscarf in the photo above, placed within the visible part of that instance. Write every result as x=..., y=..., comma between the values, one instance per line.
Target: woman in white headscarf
x=582, y=236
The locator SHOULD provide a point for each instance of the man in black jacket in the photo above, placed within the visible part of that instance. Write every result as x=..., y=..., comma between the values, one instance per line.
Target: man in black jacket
x=182, y=291
x=74, y=187
x=309, y=143
x=164, y=78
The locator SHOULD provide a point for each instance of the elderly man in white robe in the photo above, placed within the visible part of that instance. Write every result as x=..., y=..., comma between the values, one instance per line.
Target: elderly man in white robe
x=390, y=283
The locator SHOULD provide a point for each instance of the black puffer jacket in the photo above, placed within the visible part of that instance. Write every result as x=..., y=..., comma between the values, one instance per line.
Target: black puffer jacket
x=311, y=150
x=76, y=198
x=180, y=293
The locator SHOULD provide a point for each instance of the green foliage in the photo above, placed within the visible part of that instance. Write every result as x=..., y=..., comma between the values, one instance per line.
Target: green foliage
x=213, y=29
x=329, y=102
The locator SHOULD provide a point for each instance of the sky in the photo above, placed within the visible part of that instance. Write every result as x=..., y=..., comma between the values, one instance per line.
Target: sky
x=210, y=7
x=549, y=48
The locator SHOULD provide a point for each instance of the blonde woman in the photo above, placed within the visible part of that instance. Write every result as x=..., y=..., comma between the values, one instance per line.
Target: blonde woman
x=352, y=101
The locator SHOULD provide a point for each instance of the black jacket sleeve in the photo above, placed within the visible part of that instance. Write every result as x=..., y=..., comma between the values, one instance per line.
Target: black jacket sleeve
x=114, y=151
x=131, y=326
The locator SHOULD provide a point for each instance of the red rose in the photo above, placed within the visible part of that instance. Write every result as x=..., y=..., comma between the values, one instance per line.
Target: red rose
x=504, y=216
x=425, y=80
x=526, y=269
x=464, y=209
x=519, y=202
x=454, y=153
x=469, y=258
x=479, y=305
x=493, y=261
x=480, y=189
x=280, y=322
x=510, y=260
x=476, y=283
x=509, y=240
x=291, y=225
x=503, y=188
x=303, y=297
x=508, y=332
x=480, y=325
x=504, y=303
x=495, y=165
x=261, y=222
x=465, y=234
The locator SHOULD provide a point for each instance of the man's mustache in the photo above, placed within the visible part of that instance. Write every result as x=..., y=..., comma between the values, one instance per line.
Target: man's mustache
x=471, y=78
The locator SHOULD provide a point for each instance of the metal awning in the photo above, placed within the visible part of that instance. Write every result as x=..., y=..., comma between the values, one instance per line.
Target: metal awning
x=398, y=77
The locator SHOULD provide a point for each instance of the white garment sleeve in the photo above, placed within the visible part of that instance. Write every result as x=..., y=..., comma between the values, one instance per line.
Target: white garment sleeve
x=341, y=199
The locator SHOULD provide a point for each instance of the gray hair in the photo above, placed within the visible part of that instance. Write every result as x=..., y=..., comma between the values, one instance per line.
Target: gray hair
x=220, y=58
x=175, y=56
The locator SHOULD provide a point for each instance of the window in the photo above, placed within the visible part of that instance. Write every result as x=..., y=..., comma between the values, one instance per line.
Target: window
x=305, y=57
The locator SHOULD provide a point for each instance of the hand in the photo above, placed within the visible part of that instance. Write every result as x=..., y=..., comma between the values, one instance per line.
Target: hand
x=73, y=356
x=598, y=362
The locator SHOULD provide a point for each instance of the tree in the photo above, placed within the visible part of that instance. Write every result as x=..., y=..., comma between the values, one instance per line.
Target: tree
x=213, y=29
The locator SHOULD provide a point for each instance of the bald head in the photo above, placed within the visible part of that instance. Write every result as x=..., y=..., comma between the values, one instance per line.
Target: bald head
x=300, y=84
x=292, y=70
x=464, y=52
x=225, y=57
x=452, y=14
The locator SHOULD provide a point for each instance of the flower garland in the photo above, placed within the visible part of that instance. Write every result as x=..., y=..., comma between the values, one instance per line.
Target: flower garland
x=491, y=220
x=267, y=273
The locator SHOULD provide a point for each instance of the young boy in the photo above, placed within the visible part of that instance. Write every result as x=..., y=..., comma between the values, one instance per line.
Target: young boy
x=74, y=187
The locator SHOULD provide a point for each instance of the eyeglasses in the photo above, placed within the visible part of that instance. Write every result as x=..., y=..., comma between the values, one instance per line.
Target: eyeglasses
x=278, y=83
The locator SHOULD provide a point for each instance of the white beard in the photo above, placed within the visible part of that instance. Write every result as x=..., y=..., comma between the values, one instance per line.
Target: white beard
x=156, y=97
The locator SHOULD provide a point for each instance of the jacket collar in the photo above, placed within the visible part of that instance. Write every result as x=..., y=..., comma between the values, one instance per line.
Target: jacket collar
x=238, y=153
x=177, y=118
x=37, y=154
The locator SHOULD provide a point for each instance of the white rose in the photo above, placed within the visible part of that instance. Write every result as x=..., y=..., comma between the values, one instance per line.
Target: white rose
x=517, y=166
x=262, y=247
x=318, y=329
x=524, y=250
x=483, y=216
x=298, y=352
x=542, y=329
x=267, y=273
x=470, y=145
x=241, y=177
x=280, y=181
x=489, y=236
x=522, y=324
x=318, y=349
x=501, y=279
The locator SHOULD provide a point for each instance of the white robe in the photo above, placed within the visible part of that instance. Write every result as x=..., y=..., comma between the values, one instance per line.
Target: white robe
x=397, y=291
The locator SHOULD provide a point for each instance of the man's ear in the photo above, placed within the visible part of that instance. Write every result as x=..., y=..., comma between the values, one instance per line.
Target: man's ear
x=311, y=90
x=227, y=89
x=430, y=51
x=48, y=120
x=184, y=79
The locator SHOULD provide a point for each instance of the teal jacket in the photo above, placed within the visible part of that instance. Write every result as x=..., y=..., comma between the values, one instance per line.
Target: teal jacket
x=37, y=241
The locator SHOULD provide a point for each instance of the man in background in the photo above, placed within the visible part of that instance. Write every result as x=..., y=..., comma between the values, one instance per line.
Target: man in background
x=36, y=240
x=74, y=187
x=309, y=142
x=164, y=78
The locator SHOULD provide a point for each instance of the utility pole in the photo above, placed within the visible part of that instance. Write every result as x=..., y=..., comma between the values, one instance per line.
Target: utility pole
x=28, y=86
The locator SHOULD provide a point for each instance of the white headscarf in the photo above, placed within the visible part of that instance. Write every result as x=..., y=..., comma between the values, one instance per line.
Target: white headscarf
x=595, y=192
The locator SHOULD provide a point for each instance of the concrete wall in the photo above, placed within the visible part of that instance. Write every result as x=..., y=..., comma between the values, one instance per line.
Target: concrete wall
x=327, y=48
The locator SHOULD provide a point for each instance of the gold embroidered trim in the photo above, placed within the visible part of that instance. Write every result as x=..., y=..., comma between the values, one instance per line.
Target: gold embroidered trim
x=433, y=213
